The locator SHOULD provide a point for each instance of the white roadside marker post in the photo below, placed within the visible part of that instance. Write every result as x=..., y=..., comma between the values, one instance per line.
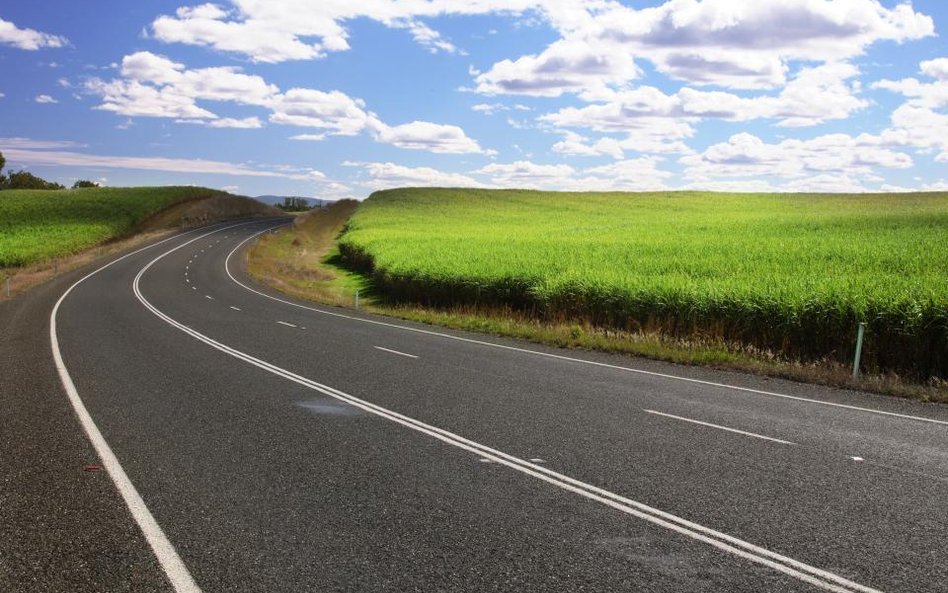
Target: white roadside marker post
x=859, y=336
x=357, y=298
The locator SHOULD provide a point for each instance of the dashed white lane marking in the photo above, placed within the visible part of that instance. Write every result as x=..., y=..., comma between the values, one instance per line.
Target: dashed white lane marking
x=286, y=324
x=726, y=543
x=234, y=308
x=857, y=458
x=175, y=569
x=538, y=460
x=188, y=280
x=207, y=296
x=485, y=460
x=719, y=427
x=395, y=352
x=194, y=288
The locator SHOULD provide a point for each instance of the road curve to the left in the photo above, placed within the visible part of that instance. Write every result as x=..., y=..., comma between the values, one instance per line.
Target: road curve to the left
x=172, y=426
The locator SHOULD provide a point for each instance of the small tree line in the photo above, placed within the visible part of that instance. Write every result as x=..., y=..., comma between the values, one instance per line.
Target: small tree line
x=25, y=180
x=294, y=205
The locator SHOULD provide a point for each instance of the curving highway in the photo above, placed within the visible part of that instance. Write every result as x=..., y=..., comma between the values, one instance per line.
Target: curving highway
x=173, y=426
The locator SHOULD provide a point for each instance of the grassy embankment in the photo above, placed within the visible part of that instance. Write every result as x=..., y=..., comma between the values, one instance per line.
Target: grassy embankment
x=772, y=283
x=43, y=231
x=296, y=260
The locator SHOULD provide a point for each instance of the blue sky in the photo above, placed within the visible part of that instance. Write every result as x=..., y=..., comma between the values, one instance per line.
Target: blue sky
x=337, y=99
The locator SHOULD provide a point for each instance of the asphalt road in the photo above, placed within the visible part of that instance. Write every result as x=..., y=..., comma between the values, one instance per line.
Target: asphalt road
x=244, y=441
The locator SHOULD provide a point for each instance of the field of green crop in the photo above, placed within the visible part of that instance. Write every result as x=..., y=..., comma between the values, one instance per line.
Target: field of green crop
x=792, y=274
x=36, y=224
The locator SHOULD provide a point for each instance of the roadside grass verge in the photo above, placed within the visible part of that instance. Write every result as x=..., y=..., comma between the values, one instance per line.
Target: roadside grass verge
x=298, y=260
x=303, y=260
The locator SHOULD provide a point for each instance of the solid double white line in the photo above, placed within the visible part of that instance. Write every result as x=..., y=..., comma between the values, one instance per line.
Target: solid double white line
x=722, y=541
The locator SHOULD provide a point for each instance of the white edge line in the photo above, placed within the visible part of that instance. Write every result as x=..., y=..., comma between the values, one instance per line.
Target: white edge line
x=719, y=427
x=395, y=352
x=174, y=568
x=569, y=358
x=794, y=568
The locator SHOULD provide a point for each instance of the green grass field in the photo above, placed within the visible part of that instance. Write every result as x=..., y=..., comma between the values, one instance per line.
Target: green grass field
x=791, y=274
x=36, y=225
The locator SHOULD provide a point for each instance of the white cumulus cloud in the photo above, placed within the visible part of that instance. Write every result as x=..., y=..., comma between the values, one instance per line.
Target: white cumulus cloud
x=275, y=31
x=155, y=86
x=132, y=98
x=389, y=175
x=333, y=111
x=641, y=174
x=567, y=66
x=656, y=122
x=526, y=174
x=28, y=39
x=309, y=137
x=245, y=123
x=748, y=43
x=919, y=127
x=420, y=135
x=745, y=44
x=746, y=155
x=930, y=94
x=937, y=68
x=428, y=37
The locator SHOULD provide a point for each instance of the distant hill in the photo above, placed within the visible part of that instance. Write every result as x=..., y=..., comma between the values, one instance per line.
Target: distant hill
x=271, y=199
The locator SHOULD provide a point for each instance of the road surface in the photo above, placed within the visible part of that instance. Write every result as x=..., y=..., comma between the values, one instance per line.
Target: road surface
x=173, y=426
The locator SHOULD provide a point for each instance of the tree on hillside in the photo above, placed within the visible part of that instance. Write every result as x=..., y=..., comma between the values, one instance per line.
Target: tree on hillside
x=3, y=178
x=26, y=180
x=84, y=183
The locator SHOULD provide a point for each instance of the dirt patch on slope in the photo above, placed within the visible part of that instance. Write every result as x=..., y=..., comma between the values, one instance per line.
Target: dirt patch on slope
x=203, y=211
